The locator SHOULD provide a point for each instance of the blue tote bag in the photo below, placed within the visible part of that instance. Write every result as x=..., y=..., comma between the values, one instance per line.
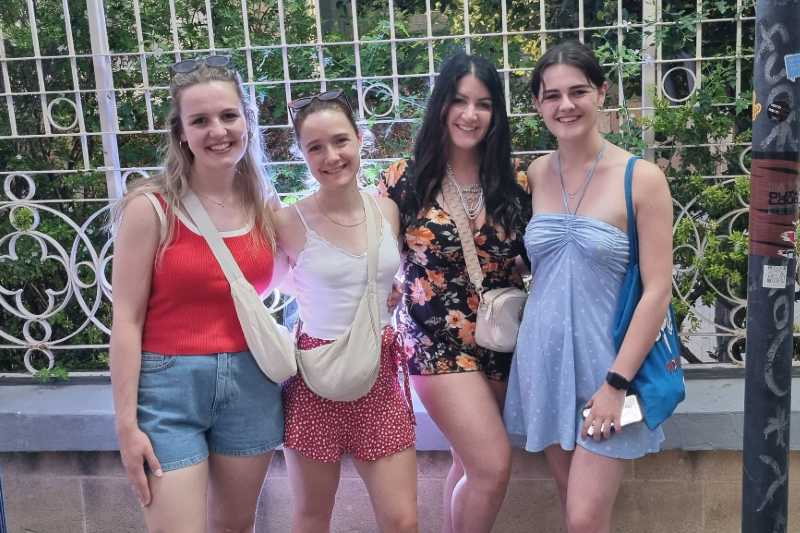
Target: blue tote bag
x=659, y=382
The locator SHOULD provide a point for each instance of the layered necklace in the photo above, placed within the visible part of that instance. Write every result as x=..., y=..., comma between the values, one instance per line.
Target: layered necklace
x=332, y=221
x=471, y=196
x=566, y=196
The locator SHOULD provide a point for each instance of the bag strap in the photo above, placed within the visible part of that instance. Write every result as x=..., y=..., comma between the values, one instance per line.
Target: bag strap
x=373, y=215
x=459, y=216
x=207, y=229
x=633, y=237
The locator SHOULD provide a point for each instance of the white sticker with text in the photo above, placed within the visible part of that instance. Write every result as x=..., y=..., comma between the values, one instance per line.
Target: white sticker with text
x=774, y=277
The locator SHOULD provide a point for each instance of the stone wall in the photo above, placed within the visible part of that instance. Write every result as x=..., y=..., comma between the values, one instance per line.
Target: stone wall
x=672, y=492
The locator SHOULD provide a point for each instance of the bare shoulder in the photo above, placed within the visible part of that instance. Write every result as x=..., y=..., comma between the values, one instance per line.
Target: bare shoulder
x=388, y=207
x=648, y=179
x=537, y=169
x=390, y=211
x=140, y=214
x=290, y=230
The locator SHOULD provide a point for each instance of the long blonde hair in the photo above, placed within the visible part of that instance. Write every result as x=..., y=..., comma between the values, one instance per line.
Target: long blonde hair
x=251, y=178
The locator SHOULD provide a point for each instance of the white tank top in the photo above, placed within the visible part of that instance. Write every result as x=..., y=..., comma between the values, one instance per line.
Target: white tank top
x=329, y=281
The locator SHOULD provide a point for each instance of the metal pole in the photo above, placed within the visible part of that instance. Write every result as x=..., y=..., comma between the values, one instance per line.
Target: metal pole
x=106, y=100
x=2, y=509
x=771, y=268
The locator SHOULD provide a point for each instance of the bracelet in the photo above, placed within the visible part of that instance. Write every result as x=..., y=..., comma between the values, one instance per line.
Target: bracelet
x=618, y=381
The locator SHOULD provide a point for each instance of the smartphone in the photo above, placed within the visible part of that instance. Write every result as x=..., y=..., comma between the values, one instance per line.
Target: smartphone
x=631, y=412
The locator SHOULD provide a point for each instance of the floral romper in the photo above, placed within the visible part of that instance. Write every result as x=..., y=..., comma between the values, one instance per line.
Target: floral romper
x=436, y=320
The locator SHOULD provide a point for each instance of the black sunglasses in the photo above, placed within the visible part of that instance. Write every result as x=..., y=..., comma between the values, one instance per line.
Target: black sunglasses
x=190, y=65
x=296, y=105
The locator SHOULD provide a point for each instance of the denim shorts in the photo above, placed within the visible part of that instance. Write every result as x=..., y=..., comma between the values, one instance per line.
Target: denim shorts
x=193, y=405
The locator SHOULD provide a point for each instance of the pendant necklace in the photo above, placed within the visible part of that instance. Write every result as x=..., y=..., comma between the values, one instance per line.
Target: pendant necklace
x=214, y=201
x=567, y=196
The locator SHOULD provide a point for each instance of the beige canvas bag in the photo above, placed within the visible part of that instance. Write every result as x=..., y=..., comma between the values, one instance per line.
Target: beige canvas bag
x=500, y=310
x=270, y=343
x=345, y=369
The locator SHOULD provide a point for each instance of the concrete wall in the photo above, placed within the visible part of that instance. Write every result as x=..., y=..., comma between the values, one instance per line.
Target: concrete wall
x=672, y=492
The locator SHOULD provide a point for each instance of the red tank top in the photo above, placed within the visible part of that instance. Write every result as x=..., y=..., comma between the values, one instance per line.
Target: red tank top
x=190, y=310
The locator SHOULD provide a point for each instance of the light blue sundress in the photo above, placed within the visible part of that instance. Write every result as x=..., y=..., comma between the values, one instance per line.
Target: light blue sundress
x=564, y=347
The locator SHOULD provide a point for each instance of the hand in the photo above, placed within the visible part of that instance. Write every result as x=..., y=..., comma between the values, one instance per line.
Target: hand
x=395, y=295
x=135, y=448
x=605, y=411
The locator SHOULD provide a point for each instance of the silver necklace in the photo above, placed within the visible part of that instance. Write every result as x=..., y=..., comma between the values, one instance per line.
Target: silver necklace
x=474, y=206
x=567, y=196
x=341, y=224
x=218, y=203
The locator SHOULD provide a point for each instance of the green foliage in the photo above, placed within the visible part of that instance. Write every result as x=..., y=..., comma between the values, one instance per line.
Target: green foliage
x=683, y=131
x=55, y=374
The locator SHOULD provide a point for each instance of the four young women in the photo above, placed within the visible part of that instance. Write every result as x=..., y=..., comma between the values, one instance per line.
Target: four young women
x=195, y=417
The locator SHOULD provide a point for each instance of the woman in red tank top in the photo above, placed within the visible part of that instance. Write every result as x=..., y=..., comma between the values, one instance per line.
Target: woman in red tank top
x=196, y=420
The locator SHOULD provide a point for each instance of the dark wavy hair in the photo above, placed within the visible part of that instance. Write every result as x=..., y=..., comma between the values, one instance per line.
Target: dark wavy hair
x=572, y=53
x=502, y=194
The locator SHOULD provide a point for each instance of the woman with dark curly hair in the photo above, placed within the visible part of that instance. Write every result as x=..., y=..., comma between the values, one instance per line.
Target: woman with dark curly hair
x=464, y=139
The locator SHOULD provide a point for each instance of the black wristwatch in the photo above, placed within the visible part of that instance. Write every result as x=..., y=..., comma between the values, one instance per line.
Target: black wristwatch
x=618, y=381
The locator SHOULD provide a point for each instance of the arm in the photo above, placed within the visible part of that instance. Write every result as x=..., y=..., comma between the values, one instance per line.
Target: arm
x=272, y=198
x=134, y=251
x=653, y=205
x=290, y=233
x=392, y=214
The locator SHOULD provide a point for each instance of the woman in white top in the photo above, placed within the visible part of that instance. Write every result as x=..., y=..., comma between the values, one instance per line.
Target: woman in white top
x=325, y=238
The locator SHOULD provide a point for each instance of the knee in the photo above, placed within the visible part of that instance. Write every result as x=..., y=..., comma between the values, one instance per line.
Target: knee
x=585, y=520
x=492, y=470
x=238, y=525
x=401, y=522
x=313, y=514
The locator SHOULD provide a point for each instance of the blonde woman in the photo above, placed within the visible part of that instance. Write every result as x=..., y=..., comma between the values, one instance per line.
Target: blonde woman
x=196, y=419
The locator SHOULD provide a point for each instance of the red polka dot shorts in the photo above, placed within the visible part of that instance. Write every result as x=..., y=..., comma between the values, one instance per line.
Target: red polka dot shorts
x=376, y=425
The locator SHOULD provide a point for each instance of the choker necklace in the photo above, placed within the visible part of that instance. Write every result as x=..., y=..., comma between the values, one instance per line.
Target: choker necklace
x=332, y=221
x=567, y=196
x=474, y=206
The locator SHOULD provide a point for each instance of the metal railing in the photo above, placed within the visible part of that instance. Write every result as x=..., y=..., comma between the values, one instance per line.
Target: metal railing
x=83, y=94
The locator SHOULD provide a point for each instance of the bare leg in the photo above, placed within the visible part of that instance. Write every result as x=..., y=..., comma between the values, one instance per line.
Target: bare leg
x=558, y=461
x=465, y=408
x=594, y=482
x=456, y=471
x=454, y=475
x=178, y=502
x=234, y=486
x=314, y=487
x=392, y=485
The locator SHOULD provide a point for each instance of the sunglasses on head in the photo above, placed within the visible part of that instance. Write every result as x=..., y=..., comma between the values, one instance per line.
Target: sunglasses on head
x=190, y=65
x=296, y=105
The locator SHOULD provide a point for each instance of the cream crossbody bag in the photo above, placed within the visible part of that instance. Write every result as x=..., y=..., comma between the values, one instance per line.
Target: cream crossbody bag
x=270, y=343
x=345, y=369
x=499, y=310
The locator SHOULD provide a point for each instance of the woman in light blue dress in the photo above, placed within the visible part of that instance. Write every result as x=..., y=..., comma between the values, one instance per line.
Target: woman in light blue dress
x=565, y=359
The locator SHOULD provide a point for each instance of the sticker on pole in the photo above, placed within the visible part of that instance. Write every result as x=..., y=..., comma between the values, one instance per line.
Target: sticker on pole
x=774, y=277
x=792, y=63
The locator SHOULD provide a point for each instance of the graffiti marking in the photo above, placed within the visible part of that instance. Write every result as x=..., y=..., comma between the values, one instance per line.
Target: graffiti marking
x=781, y=479
x=778, y=424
